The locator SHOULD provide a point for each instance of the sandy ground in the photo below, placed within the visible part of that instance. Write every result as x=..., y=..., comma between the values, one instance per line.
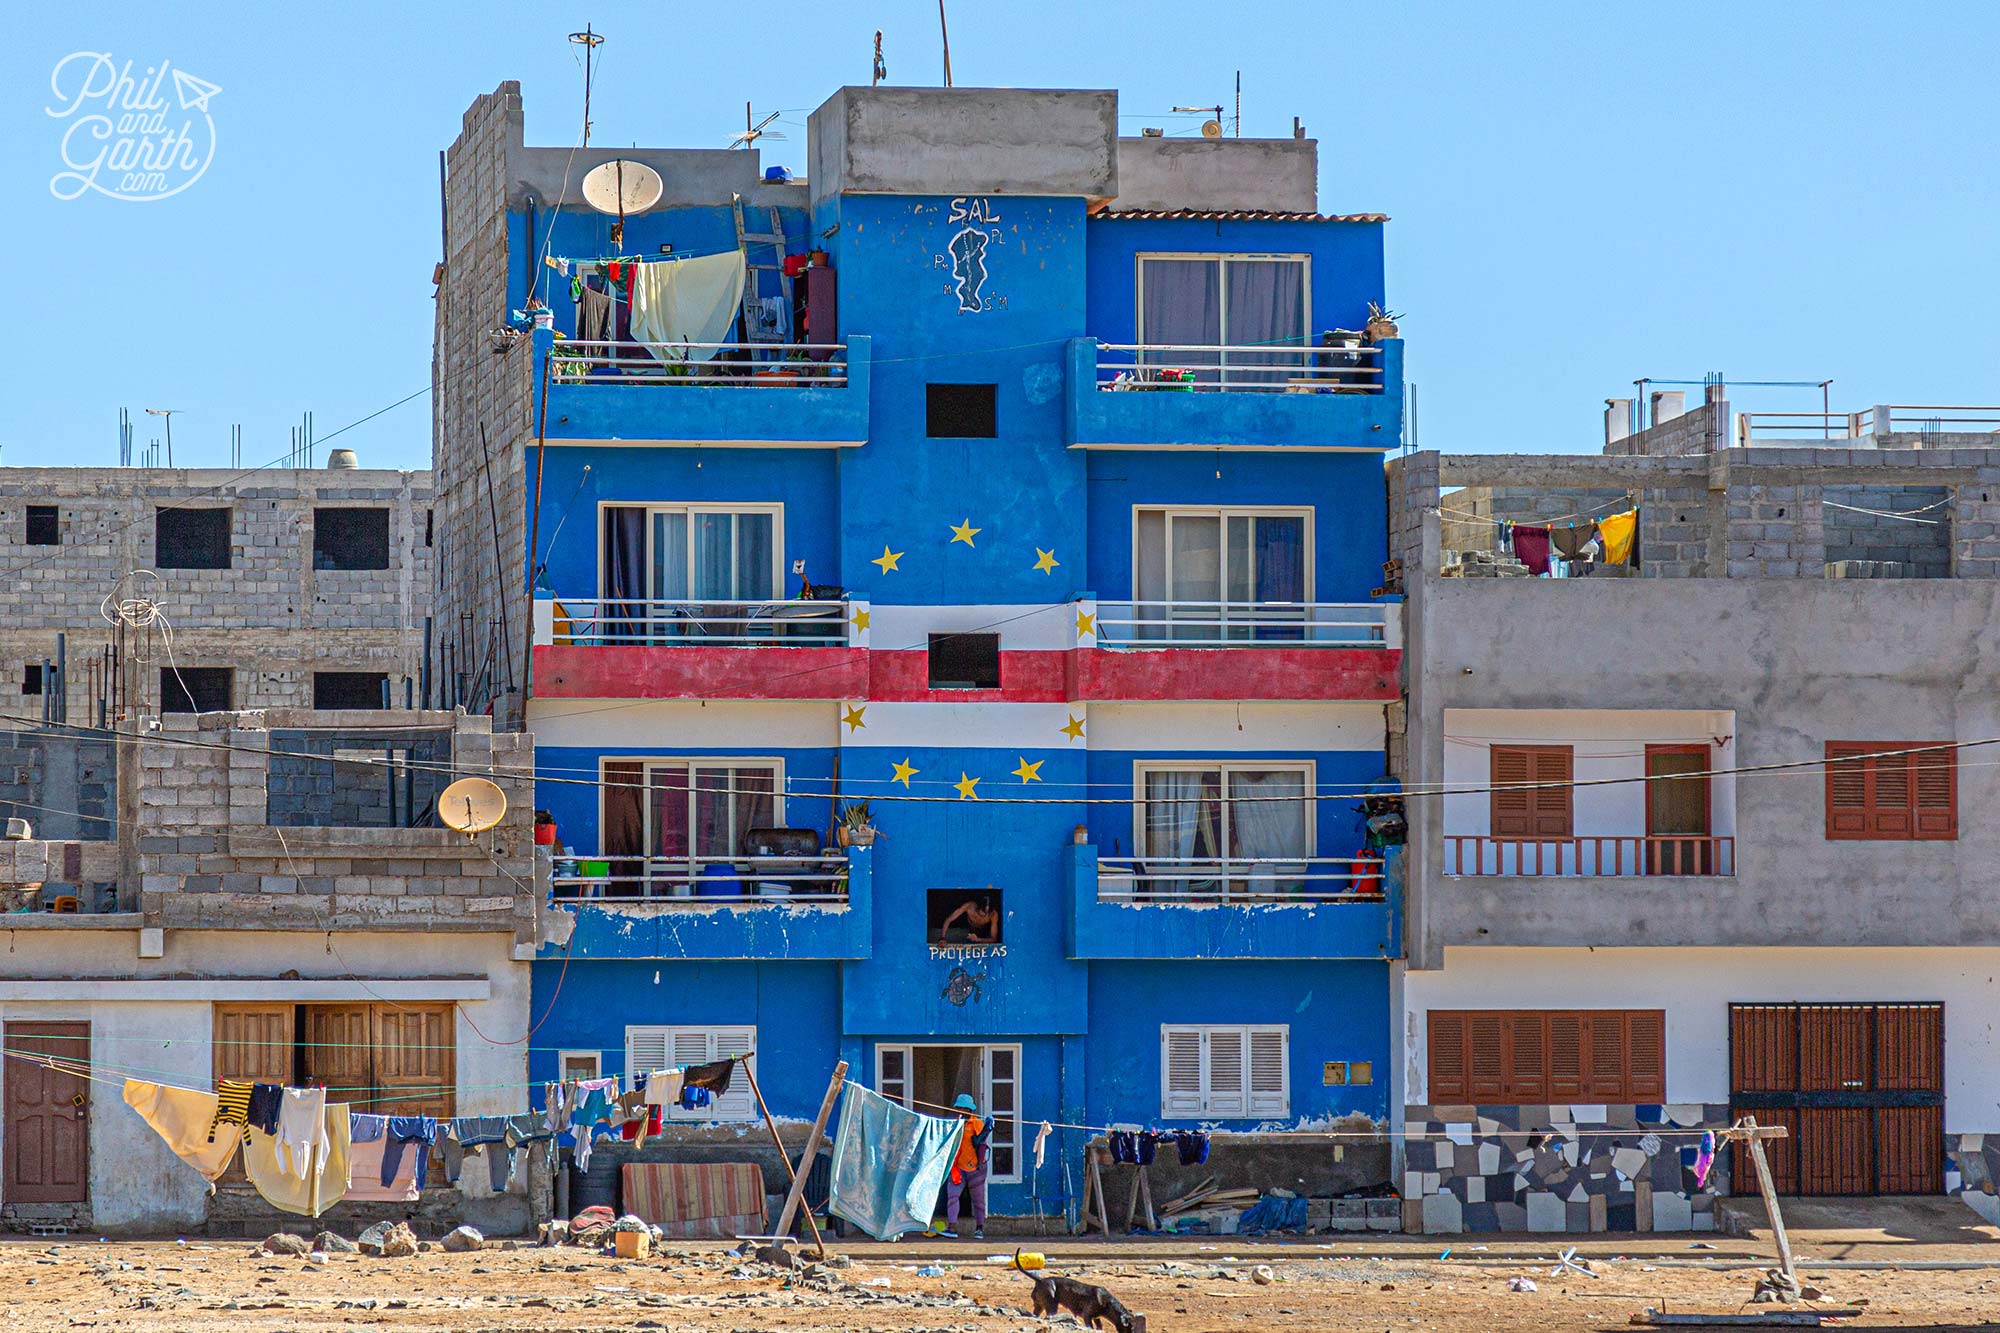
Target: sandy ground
x=1386, y=1286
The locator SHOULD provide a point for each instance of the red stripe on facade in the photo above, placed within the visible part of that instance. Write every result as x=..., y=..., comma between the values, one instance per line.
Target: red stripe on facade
x=1084, y=675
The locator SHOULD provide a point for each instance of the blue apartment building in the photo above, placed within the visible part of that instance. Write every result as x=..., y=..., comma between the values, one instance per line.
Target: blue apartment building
x=1033, y=498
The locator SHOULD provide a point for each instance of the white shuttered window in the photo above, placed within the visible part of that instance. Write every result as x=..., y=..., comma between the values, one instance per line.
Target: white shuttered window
x=1225, y=1072
x=653, y=1047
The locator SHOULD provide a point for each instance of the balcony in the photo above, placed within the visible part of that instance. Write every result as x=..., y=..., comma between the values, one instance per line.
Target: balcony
x=747, y=907
x=1316, y=907
x=595, y=648
x=773, y=395
x=1236, y=650
x=1135, y=396
x=1619, y=856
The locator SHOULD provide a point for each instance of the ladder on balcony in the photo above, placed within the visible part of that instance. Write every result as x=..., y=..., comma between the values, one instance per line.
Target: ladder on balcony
x=773, y=241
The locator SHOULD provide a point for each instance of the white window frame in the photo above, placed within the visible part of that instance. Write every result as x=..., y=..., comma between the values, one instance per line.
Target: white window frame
x=649, y=762
x=1006, y=1132
x=680, y=1045
x=1222, y=514
x=1142, y=767
x=1221, y=258
x=692, y=510
x=1242, y=1102
x=594, y=1058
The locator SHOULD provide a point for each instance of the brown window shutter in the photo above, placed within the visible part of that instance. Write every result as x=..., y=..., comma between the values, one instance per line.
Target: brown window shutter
x=1847, y=805
x=1554, y=805
x=1527, y=1064
x=1566, y=1057
x=1891, y=796
x=1605, y=1055
x=1646, y=1053
x=1447, y=1038
x=1486, y=1057
x=1513, y=811
x=1936, y=794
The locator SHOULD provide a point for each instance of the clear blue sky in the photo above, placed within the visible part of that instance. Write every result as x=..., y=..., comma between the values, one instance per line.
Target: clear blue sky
x=1580, y=194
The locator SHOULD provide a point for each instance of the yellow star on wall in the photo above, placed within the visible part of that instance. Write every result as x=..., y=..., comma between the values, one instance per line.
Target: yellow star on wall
x=852, y=717
x=861, y=619
x=965, y=532
x=1028, y=772
x=1074, y=729
x=968, y=788
x=1045, y=561
x=887, y=560
x=1086, y=623
x=905, y=771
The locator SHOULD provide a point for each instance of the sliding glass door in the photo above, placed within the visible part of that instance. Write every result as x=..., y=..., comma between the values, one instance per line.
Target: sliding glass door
x=1210, y=302
x=1201, y=570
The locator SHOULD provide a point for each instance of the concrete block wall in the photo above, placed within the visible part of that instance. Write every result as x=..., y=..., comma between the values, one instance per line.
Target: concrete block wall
x=1703, y=430
x=476, y=387
x=64, y=784
x=207, y=855
x=1917, y=540
x=306, y=786
x=303, y=619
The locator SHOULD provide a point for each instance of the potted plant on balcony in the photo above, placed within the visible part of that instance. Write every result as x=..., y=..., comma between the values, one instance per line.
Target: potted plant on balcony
x=1381, y=323
x=857, y=826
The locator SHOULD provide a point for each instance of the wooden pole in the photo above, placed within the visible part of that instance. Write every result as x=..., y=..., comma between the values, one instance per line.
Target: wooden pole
x=783, y=1156
x=798, y=1191
x=1755, y=1135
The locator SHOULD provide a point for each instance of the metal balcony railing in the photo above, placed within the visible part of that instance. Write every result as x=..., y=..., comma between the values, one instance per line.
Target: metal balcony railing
x=1591, y=855
x=1238, y=879
x=1196, y=368
x=1178, y=624
x=601, y=622
x=701, y=881
x=736, y=365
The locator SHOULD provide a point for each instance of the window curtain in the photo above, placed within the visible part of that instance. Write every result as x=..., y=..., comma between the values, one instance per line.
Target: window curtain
x=1181, y=305
x=753, y=557
x=1196, y=571
x=1183, y=822
x=1280, y=544
x=624, y=831
x=622, y=611
x=1267, y=827
x=1266, y=305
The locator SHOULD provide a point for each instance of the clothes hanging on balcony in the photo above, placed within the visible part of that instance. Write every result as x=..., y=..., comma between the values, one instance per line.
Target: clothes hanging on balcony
x=593, y=314
x=687, y=302
x=1569, y=539
x=1531, y=547
x=1617, y=531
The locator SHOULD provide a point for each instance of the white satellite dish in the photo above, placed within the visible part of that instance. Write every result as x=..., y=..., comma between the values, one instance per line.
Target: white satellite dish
x=622, y=187
x=471, y=805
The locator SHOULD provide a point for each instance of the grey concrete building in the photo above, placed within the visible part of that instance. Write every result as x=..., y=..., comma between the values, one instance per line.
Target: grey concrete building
x=1701, y=834
x=277, y=588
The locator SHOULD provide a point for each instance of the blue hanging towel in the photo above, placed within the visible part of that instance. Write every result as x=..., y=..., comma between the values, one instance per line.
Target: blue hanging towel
x=888, y=1163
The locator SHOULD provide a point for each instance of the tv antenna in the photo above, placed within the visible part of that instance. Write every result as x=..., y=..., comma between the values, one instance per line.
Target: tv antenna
x=166, y=413
x=589, y=40
x=752, y=133
x=945, y=33
x=1211, y=128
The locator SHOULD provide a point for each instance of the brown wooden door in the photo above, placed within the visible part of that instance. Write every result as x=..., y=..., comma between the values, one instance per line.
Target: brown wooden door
x=414, y=1048
x=47, y=1114
x=254, y=1043
x=1860, y=1086
x=1677, y=811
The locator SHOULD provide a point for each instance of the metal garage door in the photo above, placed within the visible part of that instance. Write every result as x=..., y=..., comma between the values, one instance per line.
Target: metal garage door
x=1860, y=1087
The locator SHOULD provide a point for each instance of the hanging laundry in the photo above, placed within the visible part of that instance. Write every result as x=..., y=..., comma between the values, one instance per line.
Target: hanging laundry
x=266, y=1100
x=593, y=314
x=1124, y=1145
x=301, y=1127
x=1503, y=539
x=557, y=1104
x=634, y=1131
x=1618, y=530
x=715, y=1076
x=486, y=1135
x=1191, y=1146
x=190, y=1122
x=367, y=1128
x=663, y=1086
x=693, y=1098
x=1531, y=547
x=405, y=1130
x=592, y=1100
x=321, y=1184
x=529, y=1129
x=232, y=1106
x=1042, y=1142
x=364, y=1170
x=888, y=1163
x=686, y=301
x=1570, y=539
x=1704, y=1159
x=1149, y=1146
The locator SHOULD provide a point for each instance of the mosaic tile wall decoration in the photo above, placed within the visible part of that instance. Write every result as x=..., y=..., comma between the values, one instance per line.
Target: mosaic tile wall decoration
x=1971, y=1167
x=1559, y=1168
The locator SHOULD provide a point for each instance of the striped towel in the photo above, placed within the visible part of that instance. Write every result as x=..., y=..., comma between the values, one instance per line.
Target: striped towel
x=697, y=1200
x=232, y=1105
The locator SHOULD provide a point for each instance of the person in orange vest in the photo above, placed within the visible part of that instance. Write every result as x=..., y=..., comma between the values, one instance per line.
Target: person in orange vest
x=968, y=1169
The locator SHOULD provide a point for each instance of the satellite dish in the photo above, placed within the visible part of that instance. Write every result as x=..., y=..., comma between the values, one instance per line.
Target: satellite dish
x=1210, y=129
x=471, y=805
x=622, y=186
